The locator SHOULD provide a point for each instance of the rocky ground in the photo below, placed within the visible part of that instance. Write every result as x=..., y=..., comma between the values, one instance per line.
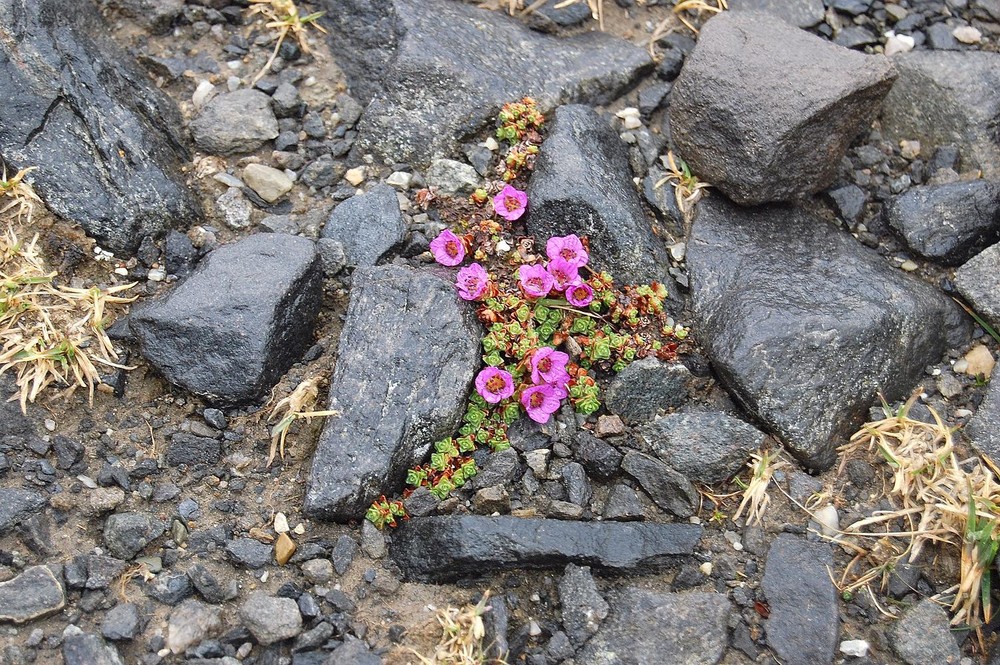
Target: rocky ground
x=278, y=233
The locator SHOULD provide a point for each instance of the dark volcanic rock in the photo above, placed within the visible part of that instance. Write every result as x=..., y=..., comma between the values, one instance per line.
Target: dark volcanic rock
x=582, y=184
x=805, y=326
x=230, y=330
x=801, y=13
x=923, y=636
x=249, y=552
x=944, y=98
x=804, y=621
x=765, y=111
x=368, y=225
x=583, y=608
x=640, y=390
x=654, y=627
x=122, y=622
x=189, y=449
x=948, y=223
x=983, y=431
x=707, y=447
x=979, y=282
x=445, y=548
x=34, y=593
x=437, y=71
x=670, y=489
x=235, y=123
x=104, y=139
x=407, y=355
x=89, y=649
x=126, y=534
x=12, y=421
x=16, y=505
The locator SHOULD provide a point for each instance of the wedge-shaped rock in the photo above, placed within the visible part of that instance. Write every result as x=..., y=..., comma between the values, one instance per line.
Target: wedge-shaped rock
x=948, y=97
x=805, y=326
x=34, y=593
x=407, y=356
x=104, y=140
x=984, y=428
x=238, y=322
x=446, y=548
x=707, y=447
x=436, y=71
x=369, y=225
x=765, y=111
x=16, y=505
x=582, y=184
x=979, y=282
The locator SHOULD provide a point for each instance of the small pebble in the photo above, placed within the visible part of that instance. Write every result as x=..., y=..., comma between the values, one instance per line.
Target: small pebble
x=355, y=176
x=50, y=425
x=854, y=648
x=399, y=180
x=908, y=266
x=967, y=34
x=156, y=275
x=280, y=523
x=828, y=520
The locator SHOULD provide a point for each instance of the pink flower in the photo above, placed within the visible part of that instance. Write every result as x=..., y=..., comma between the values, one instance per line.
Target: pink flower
x=579, y=295
x=472, y=281
x=549, y=366
x=535, y=280
x=540, y=402
x=568, y=248
x=494, y=384
x=510, y=203
x=448, y=249
x=563, y=273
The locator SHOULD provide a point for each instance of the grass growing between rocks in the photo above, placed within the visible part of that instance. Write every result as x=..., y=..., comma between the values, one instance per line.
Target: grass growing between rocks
x=462, y=635
x=941, y=499
x=596, y=7
x=50, y=334
x=763, y=465
x=296, y=406
x=283, y=18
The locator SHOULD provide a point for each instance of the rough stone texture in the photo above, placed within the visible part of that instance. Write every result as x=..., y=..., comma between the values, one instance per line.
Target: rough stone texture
x=235, y=123
x=979, y=282
x=249, y=552
x=804, y=623
x=983, y=431
x=583, y=608
x=948, y=223
x=369, y=225
x=645, y=626
x=640, y=390
x=269, y=183
x=16, y=505
x=765, y=111
x=126, y=534
x=800, y=13
x=668, y=488
x=121, y=622
x=450, y=66
x=189, y=449
x=599, y=458
x=582, y=184
x=445, y=548
x=707, y=447
x=103, y=137
x=805, y=326
x=271, y=619
x=353, y=652
x=34, y=593
x=944, y=98
x=12, y=421
x=190, y=623
x=89, y=649
x=230, y=330
x=923, y=636
x=407, y=356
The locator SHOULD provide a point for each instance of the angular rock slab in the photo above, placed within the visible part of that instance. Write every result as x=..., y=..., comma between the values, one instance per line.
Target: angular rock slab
x=582, y=184
x=804, y=622
x=238, y=322
x=89, y=649
x=923, y=636
x=948, y=223
x=983, y=431
x=33, y=594
x=447, y=548
x=649, y=627
x=369, y=225
x=801, y=13
x=765, y=111
x=16, y=505
x=407, y=356
x=437, y=71
x=805, y=326
x=103, y=137
x=947, y=97
x=979, y=282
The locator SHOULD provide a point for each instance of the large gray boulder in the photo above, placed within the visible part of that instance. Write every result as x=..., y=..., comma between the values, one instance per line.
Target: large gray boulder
x=105, y=141
x=979, y=282
x=947, y=97
x=805, y=326
x=407, y=356
x=582, y=184
x=437, y=71
x=765, y=111
x=238, y=322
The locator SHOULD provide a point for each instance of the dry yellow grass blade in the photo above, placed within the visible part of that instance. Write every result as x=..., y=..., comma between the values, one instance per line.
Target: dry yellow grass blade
x=295, y=406
x=516, y=6
x=688, y=190
x=283, y=17
x=22, y=197
x=462, y=634
x=763, y=464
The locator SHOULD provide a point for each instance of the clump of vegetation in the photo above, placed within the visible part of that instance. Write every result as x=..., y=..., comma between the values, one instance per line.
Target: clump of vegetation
x=296, y=406
x=763, y=465
x=938, y=499
x=283, y=17
x=462, y=636
x=596, y=7
x=688, y=190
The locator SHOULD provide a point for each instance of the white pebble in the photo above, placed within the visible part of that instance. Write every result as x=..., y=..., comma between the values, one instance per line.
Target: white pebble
x=280, y=523
x=706, y=568
x=204, y=92
x=908, y=266
x=50, y=424
x=123, y=272
x=961, y=366
x=491, y=144
x=88, y=482
x=299, y=529
x=632, y=122
x=534, y=629
x=355, y=176
x=233, y=83
x=962, y=413
x=855, y=648
x=897, y=43
x=399, y=179
x=967, y=34
x=677, y=251
x=734, y=540
x=228, y=179
x=828, y=520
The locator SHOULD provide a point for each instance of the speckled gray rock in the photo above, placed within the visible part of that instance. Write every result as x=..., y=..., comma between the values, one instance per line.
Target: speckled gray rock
x=804, y=623
x=983, y=431
x=668, y=488
x=948, y=223
x=190, y=623
x=446, y=548
x=121, y=622
x=979, y=282
x=235, y=123
x=33, y=594
x=923, y=636
x=582, y=184
x=238, y=322
x=368, y=225
x=436, y=71
x=706, y=446
x=89, y=649
x=656, y=627
x=271, y=619
x=249, y=552
x=645, y=387
x=805, y=326
x=765, y=111
x=583, y=608
x=126, y=534
x=800, y=13
x=945, y=97
x=106, y=142
x=407, y=356
x=16, y=505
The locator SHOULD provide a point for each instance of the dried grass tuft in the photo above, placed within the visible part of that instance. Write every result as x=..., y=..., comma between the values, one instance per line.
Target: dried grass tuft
x=282, y=16
x=462, y=635
x=688, y=190
x=518, y=7
x=295, y=406
x=763, y=465
x=690, y=13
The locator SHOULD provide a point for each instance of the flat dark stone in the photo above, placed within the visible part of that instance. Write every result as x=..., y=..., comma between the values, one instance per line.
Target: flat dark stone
x=34, y=593
x=16, y=505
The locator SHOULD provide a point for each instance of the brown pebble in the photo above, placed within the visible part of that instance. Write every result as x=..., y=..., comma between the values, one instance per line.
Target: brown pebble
x=609, y=426
x=284, y=548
